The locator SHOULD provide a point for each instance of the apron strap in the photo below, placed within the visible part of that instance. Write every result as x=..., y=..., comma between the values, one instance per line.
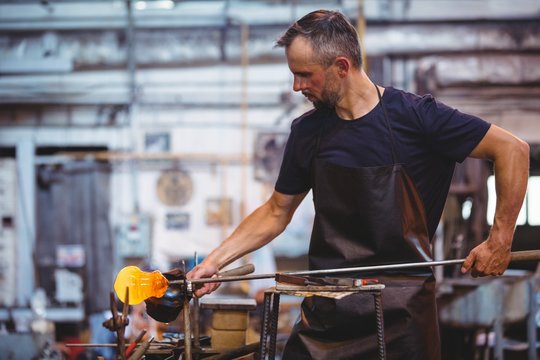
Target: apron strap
x=320, y=134
x=315, y=153
x=395, y=158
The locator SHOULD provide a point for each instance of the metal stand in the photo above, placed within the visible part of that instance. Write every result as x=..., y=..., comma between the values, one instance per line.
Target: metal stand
x=271, y=314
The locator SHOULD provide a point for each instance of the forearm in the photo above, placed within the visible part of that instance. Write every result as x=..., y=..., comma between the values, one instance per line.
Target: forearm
x=510, y=156
x=511, y=175
x=511, y=165
x=256, y=230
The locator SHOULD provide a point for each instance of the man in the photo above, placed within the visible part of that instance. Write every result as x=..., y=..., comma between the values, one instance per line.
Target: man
x=379, y=162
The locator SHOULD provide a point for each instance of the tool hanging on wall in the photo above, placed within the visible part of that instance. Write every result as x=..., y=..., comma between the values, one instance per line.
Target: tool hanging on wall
x=143, y=285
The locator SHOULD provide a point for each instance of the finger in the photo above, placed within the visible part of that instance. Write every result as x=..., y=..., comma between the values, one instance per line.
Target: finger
x=200, y=272
x=481, y=268
x=468, y=263
x=195, y=273
x=206, y=289
x=496, y=272
x=191, y=274
x=201, y=291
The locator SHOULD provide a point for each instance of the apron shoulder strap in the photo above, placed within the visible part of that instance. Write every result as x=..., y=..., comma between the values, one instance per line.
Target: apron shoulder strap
x=395, y=158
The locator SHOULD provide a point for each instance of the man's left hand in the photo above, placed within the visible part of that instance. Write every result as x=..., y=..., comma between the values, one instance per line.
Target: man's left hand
x=487, y=259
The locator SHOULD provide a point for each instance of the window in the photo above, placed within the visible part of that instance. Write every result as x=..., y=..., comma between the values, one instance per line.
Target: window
x=533, y=201
x=530, y=211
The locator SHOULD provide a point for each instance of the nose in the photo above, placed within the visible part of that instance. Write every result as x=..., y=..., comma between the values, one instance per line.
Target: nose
x=298, y=84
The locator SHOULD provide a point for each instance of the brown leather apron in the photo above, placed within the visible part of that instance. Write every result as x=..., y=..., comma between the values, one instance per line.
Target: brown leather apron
x=367, y=216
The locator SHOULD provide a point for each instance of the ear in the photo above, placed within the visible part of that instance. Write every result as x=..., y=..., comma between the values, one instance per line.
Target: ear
x=343, y=65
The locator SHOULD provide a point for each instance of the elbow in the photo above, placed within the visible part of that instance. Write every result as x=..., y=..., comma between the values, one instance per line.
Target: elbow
x=515, y=157
x=284, y=220
x=523, y=149
x=516, y=151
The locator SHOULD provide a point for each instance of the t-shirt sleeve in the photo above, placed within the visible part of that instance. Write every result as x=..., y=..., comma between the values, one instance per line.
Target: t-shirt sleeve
x=450, y=132
x=293, y=176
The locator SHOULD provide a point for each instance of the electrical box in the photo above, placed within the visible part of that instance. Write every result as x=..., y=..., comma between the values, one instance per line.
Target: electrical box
x=8, y=250
x=133, y=236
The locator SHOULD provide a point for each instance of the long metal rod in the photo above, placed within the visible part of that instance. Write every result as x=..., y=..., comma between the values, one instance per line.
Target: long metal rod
x=529, y=255
x=323, y=272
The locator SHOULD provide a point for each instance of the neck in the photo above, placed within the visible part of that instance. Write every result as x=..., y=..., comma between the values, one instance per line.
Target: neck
x=359, y=98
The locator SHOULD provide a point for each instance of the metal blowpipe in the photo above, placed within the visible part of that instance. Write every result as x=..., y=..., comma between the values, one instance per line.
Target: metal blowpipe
x=527, y=255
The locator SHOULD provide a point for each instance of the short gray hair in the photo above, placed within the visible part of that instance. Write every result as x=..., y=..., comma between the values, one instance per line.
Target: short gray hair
x=331, y=35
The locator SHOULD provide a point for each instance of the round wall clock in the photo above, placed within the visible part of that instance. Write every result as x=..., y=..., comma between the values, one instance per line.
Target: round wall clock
x=174, y=188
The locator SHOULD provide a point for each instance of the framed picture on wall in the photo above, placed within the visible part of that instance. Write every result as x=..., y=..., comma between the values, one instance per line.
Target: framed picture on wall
x=219, y=211
x=72, y=255
x=157, y=142
x=268, y=153
x=177, y=221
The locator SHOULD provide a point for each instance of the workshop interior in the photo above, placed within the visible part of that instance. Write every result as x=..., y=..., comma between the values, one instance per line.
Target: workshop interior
x=136, y=135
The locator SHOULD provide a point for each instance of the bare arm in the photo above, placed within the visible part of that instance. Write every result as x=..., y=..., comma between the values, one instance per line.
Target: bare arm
x=511, y=164
x=256, y=230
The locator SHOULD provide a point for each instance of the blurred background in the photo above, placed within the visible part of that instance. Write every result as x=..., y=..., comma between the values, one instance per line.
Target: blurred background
x=142, y=132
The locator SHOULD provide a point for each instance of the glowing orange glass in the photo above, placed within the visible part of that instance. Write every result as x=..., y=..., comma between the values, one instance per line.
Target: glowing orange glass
x=141, y=284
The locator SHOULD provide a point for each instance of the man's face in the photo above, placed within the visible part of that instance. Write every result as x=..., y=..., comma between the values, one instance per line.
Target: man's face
x=317, y=83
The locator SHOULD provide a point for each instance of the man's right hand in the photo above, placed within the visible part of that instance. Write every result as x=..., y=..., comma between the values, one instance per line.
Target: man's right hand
x=203, y=271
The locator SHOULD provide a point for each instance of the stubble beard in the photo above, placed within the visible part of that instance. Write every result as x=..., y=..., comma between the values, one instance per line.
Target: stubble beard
x=330, y=96
x=329, y=100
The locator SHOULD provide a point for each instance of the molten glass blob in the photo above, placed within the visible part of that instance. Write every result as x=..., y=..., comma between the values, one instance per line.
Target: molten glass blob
x=141, y=284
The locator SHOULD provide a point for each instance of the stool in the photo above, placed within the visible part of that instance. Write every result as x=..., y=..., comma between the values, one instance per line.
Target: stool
x=271, y=313
x=229, y=321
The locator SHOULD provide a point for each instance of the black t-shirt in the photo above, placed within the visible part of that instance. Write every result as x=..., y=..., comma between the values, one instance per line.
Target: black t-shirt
x=430, y=138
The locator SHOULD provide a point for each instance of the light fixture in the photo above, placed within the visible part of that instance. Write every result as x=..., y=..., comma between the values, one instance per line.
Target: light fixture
x=154, y=5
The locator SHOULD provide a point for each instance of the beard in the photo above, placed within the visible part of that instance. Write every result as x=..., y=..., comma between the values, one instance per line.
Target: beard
x=329, y=100
x=330, y=95
x=320, y=105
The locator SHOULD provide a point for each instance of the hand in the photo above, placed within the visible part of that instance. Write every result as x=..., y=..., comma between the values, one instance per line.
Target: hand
x=203, y=271
x=487, y=259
